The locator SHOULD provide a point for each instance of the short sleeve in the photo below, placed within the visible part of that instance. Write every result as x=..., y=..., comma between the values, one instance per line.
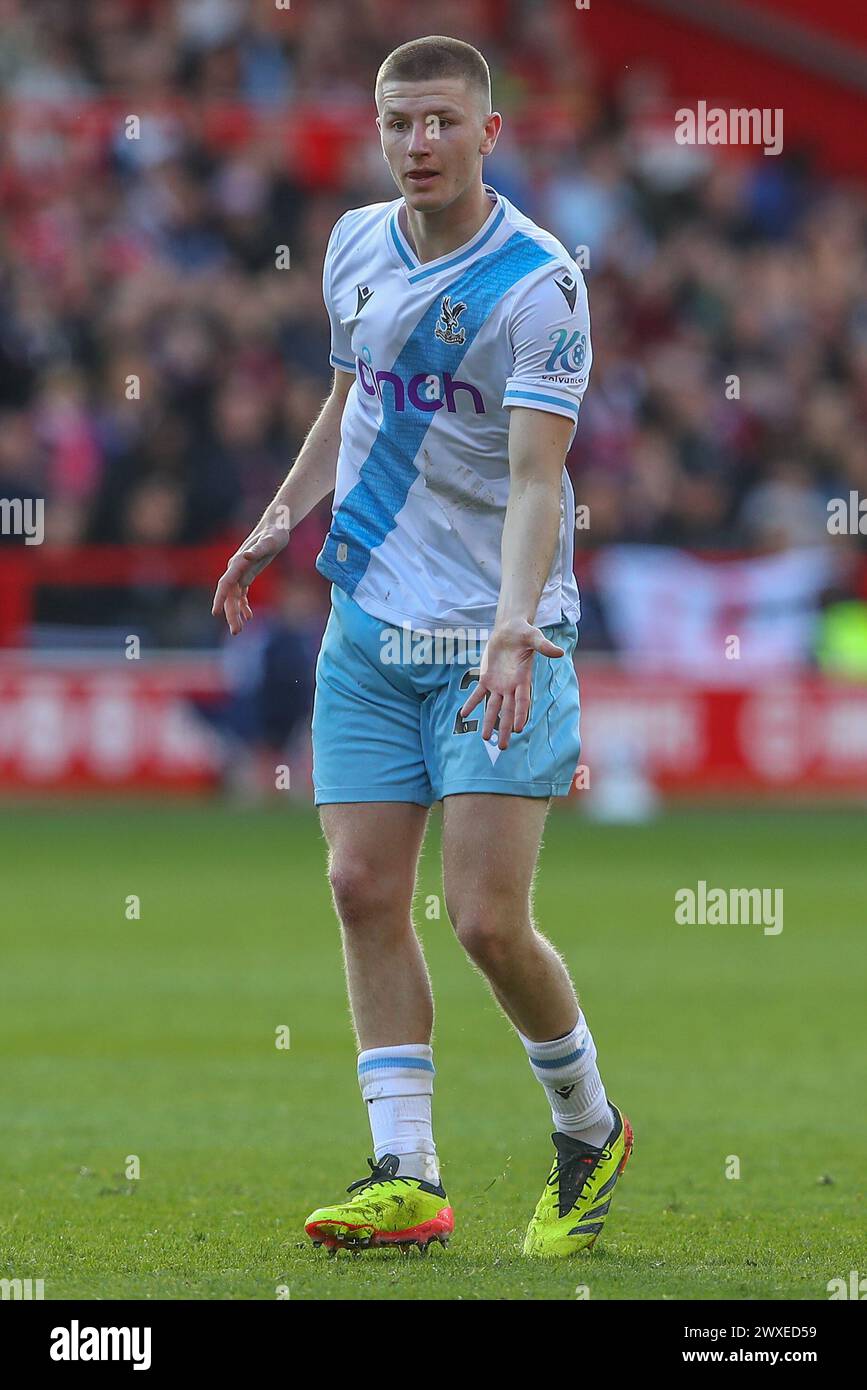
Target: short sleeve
x=549, y=331
x=342, y=355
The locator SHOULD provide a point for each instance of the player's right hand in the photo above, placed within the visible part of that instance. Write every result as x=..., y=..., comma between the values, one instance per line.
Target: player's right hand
x=230, y=595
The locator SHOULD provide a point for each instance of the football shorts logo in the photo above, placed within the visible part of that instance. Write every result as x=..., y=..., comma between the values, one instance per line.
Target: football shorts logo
x=492, y=746
x=447, y=328
x=364, y=293
x=570, y=352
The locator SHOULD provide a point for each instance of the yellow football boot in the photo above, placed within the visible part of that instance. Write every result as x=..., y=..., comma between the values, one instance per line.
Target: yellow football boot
x=577, y=1196
x=384, y=1209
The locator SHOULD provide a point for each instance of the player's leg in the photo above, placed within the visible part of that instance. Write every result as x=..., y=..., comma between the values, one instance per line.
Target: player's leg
x=373, y=850
x=373, y=854
x=490, y=847
x=494, y=803
x=373, y=793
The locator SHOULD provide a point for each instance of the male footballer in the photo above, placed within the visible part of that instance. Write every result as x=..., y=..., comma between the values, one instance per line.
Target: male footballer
x=461, y=352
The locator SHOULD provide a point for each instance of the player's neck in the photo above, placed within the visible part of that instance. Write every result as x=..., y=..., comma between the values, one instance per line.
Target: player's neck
x=434, y=234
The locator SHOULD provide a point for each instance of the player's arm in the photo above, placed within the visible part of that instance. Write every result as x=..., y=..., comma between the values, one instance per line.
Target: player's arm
x=538, y=441
x=310, y=479
x=549, y=333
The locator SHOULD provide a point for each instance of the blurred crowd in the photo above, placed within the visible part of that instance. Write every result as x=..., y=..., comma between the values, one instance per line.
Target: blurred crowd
x=159, y=369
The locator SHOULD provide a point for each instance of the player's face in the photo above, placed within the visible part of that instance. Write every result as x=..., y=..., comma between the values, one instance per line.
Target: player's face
x=434, y=135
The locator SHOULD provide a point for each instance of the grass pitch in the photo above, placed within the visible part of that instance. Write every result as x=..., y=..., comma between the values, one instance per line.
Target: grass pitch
x=155, y=1038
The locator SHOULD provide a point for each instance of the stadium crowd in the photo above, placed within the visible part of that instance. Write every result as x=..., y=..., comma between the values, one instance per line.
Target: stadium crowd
x=159, y=369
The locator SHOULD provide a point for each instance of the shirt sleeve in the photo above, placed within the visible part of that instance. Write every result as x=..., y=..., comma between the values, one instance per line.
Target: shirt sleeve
x=342, y=355
x=549, y=331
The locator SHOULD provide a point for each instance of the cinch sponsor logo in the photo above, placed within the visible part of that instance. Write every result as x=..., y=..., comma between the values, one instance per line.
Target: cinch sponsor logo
x=424, y=391
x=76, y=1343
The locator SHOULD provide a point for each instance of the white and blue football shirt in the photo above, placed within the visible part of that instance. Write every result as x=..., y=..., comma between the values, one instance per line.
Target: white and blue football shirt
x=441, y=350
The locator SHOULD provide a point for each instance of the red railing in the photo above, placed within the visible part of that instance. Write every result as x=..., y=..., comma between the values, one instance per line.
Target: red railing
x=26, y=569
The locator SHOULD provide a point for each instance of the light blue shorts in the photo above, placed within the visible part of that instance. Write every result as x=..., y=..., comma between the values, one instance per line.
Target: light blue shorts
x=387, y=726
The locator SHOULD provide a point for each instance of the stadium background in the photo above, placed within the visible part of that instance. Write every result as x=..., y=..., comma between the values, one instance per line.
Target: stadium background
x=163, y=350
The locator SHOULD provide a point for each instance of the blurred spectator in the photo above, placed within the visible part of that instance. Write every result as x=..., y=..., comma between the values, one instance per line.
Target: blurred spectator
x=264, y=718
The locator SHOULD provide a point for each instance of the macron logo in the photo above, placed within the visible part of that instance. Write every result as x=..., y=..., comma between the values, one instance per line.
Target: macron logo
x=363, y=295
x=568, y=287
x=491, y=747
x=76, y=1343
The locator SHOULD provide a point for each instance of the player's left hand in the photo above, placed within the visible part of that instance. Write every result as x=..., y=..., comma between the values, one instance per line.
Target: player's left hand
x=504, y=677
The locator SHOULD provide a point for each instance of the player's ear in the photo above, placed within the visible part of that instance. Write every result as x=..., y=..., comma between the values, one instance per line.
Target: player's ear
x=493, y=125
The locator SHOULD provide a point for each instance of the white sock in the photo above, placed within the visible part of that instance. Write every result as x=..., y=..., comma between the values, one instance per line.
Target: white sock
x=567, y=1069
x=397, y=1084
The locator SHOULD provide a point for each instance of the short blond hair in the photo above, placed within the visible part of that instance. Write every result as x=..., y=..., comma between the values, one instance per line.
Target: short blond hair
x=437, y=56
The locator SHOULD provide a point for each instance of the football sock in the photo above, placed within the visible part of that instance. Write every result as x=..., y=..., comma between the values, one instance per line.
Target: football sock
x=567, y=1069
x=397, y=1084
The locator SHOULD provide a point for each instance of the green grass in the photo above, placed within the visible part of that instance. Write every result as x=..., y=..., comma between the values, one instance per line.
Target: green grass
x=156, y=1038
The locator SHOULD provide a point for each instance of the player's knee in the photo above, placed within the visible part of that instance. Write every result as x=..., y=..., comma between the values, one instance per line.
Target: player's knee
x=484, y=935
x=362, y=892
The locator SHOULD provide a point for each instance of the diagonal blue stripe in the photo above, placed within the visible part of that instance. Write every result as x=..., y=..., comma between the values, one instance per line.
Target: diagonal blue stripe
x=548, y=1064
x=369, y=510
x=411, y=1063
